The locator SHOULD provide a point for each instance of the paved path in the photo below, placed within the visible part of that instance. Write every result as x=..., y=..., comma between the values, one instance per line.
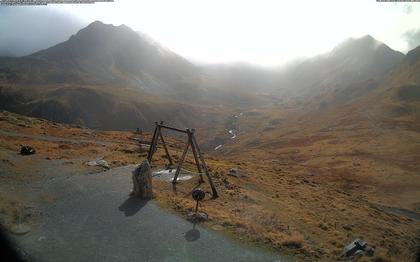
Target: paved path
x=93, y=219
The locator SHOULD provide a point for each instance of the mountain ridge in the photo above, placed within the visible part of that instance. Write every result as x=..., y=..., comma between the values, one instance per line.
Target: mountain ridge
x=118, y=59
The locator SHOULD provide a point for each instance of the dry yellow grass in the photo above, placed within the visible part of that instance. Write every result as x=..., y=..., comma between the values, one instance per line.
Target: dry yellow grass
x=295, y=240
x=307, y=194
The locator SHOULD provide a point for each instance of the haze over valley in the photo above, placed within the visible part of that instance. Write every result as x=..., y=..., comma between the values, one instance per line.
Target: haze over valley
x=307, y=155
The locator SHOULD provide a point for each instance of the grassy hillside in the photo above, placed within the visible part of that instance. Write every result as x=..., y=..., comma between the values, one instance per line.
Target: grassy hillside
x=306, y=195
x=102, y=107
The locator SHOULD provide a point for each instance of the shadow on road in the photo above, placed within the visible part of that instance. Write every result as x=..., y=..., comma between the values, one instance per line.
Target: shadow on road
x=192, y=234
x=132, y=205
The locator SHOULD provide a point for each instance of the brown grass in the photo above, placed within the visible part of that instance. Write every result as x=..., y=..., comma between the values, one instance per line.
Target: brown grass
x=308, y=199
x=295, y=240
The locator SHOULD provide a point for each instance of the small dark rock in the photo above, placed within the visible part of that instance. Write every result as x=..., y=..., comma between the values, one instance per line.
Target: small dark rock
x=348, y=227
x=236, y=173
x=27, y=150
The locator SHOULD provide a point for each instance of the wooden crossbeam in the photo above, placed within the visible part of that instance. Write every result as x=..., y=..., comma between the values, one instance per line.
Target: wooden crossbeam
x=172, y=128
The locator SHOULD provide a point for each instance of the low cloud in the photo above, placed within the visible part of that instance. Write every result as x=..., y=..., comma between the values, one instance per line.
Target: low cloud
x=407, y=9
x=412, y=37
x=25, y=30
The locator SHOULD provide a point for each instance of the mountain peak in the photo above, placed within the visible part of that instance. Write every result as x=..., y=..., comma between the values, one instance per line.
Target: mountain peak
x=413, y=55
x=368, y=38
x=100, y=27
x=104, y=53
x=352, y=45
x=100, y=24
x=96, y=23
x=364, y=47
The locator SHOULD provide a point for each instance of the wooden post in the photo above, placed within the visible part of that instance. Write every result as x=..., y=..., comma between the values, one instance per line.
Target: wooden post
x=178, y=169
x=198, y=156
x=213, y=188
x=194, y=150
x=165, y=147
x=152, y=145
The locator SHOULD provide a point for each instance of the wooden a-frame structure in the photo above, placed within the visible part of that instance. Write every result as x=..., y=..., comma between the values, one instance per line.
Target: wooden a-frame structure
x=198, y=156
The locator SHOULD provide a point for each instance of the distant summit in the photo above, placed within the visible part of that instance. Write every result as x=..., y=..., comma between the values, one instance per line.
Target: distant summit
x=354, y=60
x=366, y=43
x=135, y=77
x=368, y=49
x=102, y=53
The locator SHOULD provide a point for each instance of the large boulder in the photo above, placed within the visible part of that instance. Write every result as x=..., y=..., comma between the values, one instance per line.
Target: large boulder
x=357, y=248
x=142, y=181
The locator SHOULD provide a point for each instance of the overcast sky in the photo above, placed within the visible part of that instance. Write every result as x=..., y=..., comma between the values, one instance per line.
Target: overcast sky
x=264, y=32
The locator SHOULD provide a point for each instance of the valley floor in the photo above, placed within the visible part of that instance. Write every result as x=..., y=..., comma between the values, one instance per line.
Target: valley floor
x=302, y=199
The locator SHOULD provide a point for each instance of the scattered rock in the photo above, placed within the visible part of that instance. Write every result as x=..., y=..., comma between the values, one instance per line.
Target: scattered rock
x=19, y=229
x=217, y=227
x=233, y=172
x=128, y=150
x=197, y=217
x=357, y=248
x=323, y=226
x=348, y=227
x=103, y=163
x=142, y=181
x=24, y=125
x=99, y=162
x=27, y=150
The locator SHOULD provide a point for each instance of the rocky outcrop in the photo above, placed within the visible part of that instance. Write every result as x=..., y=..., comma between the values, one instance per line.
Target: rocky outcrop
x=142, y=181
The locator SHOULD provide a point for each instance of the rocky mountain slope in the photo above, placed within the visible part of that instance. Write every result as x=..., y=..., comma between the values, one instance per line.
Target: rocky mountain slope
x=113, y=69
x=102, y=54
x=340, y=72
x=322, y=152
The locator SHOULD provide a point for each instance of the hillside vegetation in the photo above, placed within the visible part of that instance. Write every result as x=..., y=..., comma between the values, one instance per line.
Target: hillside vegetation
x=326, y=149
